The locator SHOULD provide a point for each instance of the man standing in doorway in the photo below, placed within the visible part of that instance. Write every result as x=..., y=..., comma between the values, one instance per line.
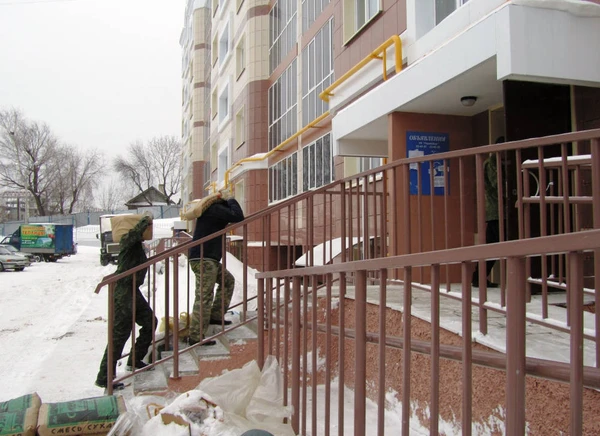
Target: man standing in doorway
x=205, y=261
x=492, y=230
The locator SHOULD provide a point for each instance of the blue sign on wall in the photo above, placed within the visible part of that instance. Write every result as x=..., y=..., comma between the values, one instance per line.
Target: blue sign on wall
x=423, y=144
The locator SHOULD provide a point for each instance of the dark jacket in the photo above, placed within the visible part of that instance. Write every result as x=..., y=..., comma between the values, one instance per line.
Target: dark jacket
x=132, y=254
x=215, y=218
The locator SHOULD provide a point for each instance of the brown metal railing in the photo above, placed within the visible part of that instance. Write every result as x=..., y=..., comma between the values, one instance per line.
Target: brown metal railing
x=514, y=362
x=369, y=231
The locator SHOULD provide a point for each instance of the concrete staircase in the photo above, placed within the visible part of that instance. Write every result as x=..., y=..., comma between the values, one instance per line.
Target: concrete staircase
x=232, y=350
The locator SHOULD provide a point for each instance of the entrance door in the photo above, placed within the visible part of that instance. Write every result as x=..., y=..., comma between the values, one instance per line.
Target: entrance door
x=532, y=110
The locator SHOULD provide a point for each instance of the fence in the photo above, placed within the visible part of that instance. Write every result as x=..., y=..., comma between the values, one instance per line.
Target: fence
x=81, y=219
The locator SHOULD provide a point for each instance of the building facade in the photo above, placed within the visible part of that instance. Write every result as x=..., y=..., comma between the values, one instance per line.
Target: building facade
x=473, y=71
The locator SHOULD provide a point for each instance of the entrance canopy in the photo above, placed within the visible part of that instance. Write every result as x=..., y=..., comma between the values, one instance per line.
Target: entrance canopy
x=549, y=42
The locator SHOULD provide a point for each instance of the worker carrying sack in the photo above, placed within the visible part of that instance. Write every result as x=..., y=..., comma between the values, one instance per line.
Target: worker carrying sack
x=122, y=224
x=196, y=208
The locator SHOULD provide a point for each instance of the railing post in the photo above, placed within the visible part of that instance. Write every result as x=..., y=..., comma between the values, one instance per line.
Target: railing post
x=109, y=348
x=515, y=347
x=296, y=284
x=575, y=306
x=595, y=149
x=481, y=233
x=342, y=351
x=175, y=375
x=260, y=311
x=167, y=325
x=381, y=391
x=406, y=352
x=467, y=351
x=360, y=346
x=435, y=349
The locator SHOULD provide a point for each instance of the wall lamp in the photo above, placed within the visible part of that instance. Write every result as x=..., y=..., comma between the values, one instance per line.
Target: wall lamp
x=468, y=100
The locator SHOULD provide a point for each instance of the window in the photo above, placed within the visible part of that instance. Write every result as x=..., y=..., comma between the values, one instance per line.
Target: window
x=282, y=101
x=215, y=50
x=283, y=178
x=311, y=9
x=225, y=44
x=224, y=160
x=214, y=103
x=356, y=165
x=240, y=57
x=240, y=192
x=317, y=163
x=214, y=152
x=317, y=73
x=443, y=8
x=240, y=127
x=282, y=31
x=357, y=13
x=368, y=163
x=207, y=170
x=223, y=108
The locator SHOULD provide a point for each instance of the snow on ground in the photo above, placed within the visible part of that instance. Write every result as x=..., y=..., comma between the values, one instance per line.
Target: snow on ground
x=53, y=329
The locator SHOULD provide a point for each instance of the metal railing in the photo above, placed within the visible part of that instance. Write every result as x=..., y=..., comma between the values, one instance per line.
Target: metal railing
x=371, y=230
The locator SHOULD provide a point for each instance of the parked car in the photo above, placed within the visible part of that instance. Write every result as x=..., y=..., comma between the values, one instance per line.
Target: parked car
x=9, y=260
x=30, y=256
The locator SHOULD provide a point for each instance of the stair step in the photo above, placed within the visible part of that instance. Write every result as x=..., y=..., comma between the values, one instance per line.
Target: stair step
x=241, y=333
x=217, y=350
x=188, y=365
x=151, y=381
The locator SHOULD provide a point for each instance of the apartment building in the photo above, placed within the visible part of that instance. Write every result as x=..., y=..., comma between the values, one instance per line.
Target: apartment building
x=473, y=71
x=225, y=83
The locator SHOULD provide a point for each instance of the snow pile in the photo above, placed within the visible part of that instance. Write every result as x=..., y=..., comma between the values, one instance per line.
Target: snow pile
x=228, y=405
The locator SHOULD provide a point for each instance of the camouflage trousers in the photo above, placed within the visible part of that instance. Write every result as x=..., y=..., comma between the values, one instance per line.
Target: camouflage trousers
x=144, y=317
x=208, y=304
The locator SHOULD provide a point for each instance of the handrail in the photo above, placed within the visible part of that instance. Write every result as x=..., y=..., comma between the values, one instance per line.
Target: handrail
x=379, y=53
x=563, y=243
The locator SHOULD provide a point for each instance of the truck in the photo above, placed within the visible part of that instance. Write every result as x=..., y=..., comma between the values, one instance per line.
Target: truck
x=46, y=241
x=109, y=250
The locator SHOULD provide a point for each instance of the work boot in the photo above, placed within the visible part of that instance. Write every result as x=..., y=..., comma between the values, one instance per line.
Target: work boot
x=116, y=386
x=138, y=365
x=207, y=343
x=214, y=321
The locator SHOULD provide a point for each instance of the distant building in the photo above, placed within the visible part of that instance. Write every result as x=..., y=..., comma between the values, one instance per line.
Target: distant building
x=150, y=197
x=16, y=206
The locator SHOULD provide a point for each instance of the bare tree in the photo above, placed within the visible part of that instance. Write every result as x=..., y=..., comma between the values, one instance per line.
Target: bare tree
x=157, y=163
x=110, y=196
x=77, y=172
x=27, y=150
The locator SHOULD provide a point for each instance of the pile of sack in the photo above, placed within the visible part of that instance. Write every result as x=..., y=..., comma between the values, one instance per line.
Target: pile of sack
x=27, y=416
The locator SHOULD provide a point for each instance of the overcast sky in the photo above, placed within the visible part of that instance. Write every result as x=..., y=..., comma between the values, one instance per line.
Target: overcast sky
x=100, y=73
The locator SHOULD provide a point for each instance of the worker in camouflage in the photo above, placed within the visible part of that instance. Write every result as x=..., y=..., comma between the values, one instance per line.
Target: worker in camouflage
x=131, y=254
x=205, y=262
x=208, y=272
